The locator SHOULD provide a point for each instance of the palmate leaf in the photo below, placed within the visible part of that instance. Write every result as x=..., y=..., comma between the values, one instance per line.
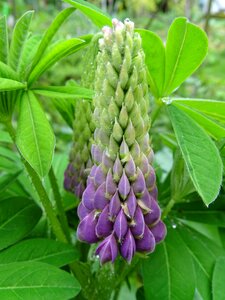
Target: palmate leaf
x=43, y=250
x=204, y=253
x=7, y=72
x=50, y=33
x=19, y=37
x=200, y=154
x=216, y=130
x=57, y=52
x=212, y=108
x=96, y=15
x=11, y=85
x=18, y=216
x=36, y=280
x=186, y=48
x=8, y=179
x=3, y=40
x=154, y=59
x=34, y=136
x=166, y=270
x=70, y=92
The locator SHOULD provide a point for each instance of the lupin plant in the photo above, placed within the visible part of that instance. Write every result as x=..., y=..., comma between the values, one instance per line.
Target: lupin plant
x=119, y=205
x=121, y=115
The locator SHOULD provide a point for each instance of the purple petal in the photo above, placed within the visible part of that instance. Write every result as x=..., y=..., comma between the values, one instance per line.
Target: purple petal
x=93, y=170
x=138, y=226
x=110, y=184
x=100, y=200
x=88, y=196
x=147, y=242
x=124, y=186
x=104, y=226
x=79, y=189
x=99, y=176
x=144, y=164
x=114, y=206
x=130, y=168
x=96, y=153
x=82, y=211
x=145, y=201
x=159, y=231
x=139, y=184
x=107, y=249
x=154, y=193
x=128, y=246
x=86, y=229
x=150, y=179
x=154, y=215
x=107, y=163
x=117, y=169
x=130, y=204
x=120, y=225
x=124, y=151
x=67, y=182
x=151, y=157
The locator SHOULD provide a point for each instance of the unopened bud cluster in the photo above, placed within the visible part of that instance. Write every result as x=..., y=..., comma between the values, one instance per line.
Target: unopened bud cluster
x=119, y=206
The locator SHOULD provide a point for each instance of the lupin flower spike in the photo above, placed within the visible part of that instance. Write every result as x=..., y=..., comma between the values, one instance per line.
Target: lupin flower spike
x=125, y=216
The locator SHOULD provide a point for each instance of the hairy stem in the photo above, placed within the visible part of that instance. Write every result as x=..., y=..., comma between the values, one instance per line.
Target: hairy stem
x=59, y=204
x=168, y=208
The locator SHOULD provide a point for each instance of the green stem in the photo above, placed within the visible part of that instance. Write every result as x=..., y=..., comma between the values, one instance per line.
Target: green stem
x=57, y=229
x=156, y=112
x=168, y=208
x=59, y=204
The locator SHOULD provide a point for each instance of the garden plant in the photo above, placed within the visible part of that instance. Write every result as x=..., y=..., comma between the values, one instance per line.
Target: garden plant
x=136, y=210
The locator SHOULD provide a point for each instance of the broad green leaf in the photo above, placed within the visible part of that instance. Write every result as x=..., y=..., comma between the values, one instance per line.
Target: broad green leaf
x=154, y=59
x=19, y=37
x=218, y=287
x=44, y=250
x=213, y=108
x=11, y=85
x=7, y=179
x=36, y=281
x=3, y=40
x=200, y=155
x=7, y=72
x=204, y=253
x=18, y=216
x=57, y=52
x=5, y=137
x=96, y=15
x=49, y=34
x=63, y=92
x=166, y=271
x=34, y=137
x=66, y=109
x=213, y=128
x=186, y=48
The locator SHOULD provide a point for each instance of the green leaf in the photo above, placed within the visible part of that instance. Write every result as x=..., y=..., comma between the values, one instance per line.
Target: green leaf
x=204, y=253
x=200, y=155
x=66, y=109
x=213, y=108
x=11, y=85
x=63, y=92
x=186, y=48
x=7, y=72
x=165, y=271
x=44, y=250
x=57, y=52
x=219, y=279
x=50, y=33
x=154, y=59
x=19, y=37
x=34, y=136
x=3, y=40
x=7, y=179
x=213, y=128
x=18, y=216
x=35, y=280
x=96, y=15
